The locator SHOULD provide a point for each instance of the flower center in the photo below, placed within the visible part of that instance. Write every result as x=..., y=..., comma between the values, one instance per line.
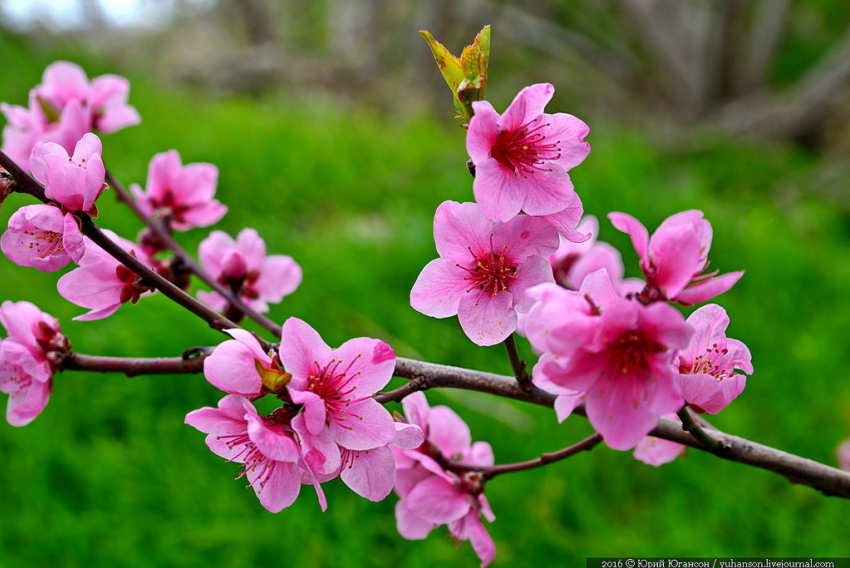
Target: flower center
x=526, y=149
x=492, y=271
x=630, y=352
x=332, y=383
x=708, y=363
x=45, y=243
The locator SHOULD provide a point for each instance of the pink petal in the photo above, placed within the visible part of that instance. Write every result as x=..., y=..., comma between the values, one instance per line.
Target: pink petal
x=566, y=220
x=708, y=289
x=498, y=191
x=300, y=346
x=483, y=131
x=570, y=131
x=232, y=367
x=417, y=410
x=280, y=489
x=409, y=524
x=371, y=473
x=407, y=436
x=448, y=432
x=547, y=192
x=527, y=105
x=657, y=452
x=525, y=236
x=457, y=227
x=638, y=233
x=438, y=289
x=472, y=529
x=534, y=271
x=369, y=364
x=275, y=443
x=366, y=424
x=487, y=319
x=437, y=501
x=313, y=413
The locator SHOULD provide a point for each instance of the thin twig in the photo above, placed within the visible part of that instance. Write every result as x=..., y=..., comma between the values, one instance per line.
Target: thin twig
x=517, y=363
x=192, y=361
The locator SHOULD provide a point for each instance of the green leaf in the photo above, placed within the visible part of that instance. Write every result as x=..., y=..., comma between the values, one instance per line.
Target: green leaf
x=466, y=75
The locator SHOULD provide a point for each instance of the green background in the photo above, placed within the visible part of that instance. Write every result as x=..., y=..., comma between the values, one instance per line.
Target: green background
x=109, y=475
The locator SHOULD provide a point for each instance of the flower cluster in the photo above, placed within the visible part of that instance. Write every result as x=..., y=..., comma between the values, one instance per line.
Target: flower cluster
x=64, y=107
x=433, y=495
x=329, y=424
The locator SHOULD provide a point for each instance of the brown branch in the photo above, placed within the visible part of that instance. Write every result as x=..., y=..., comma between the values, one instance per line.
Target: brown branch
x=489, y=472
x=828, y=480
x=192, y=361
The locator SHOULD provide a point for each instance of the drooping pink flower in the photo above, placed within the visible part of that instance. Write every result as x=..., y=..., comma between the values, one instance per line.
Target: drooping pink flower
x=657, y=451
x=75, y=181
x=522, y=157
x=101, y=283
x=336, y=388
x=265, y=445
x=42, y=237
x=674, y=258
x=242, y=266
x=182, y=195
x=616, y=352
x=483, y=270
x=29, y=357
x=707, y=365
x=431, y=495
x=63, y=108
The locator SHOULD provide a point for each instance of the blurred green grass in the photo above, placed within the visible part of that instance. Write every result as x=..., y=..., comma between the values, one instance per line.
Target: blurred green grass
x=110, y=476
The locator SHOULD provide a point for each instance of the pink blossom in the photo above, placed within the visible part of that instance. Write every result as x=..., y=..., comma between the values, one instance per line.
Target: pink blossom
x=658, y=451
x=242, y=266
x=707, y=365
x=75, y=181
x=182, y=195
x=674, y=258
x=63, y=108
x=616, y=352
x=336, y=388
x=522, y=157
x=573, y=261
x=29, y=357
x=101, y=283
x=431, y=495
x=43, y=237
x=265, y=445
x=483, y=270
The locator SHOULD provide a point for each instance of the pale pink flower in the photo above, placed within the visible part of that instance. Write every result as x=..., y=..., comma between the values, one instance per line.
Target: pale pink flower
x=182, y=195
x=29, y=357
x=242, y=266
x=674, y=258
x=42, y=237
x=431, y=495
x=616, y=352
x=657, y=451
x=843, y=452
x=484, y=270
x=336, y=388
x=101, y=283
x=707, y=365
x=75, y=181
x=63, y=108
x=522, y=157
x=265, y=445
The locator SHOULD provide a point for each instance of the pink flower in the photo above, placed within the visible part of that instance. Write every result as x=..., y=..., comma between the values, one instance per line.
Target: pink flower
x=336, y=388
x=265, y=445
x=707, y=365
x=242, y=265
x=29, y=357
x=617, y=353
x=433, y=496
x=74, y=182
x=42, y=237
x=182, y=195
x=64, y=107
x=674, y=259
x=522, y=157
x=573, y=261
x=483, y=270
x=101, y=283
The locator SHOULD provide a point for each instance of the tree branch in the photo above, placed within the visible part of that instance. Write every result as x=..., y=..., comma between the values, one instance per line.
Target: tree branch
x=192, y=361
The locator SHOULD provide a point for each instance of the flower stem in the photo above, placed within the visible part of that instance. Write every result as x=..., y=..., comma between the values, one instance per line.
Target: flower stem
x=694, y=429
x=492, y=471
x=517, y=363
